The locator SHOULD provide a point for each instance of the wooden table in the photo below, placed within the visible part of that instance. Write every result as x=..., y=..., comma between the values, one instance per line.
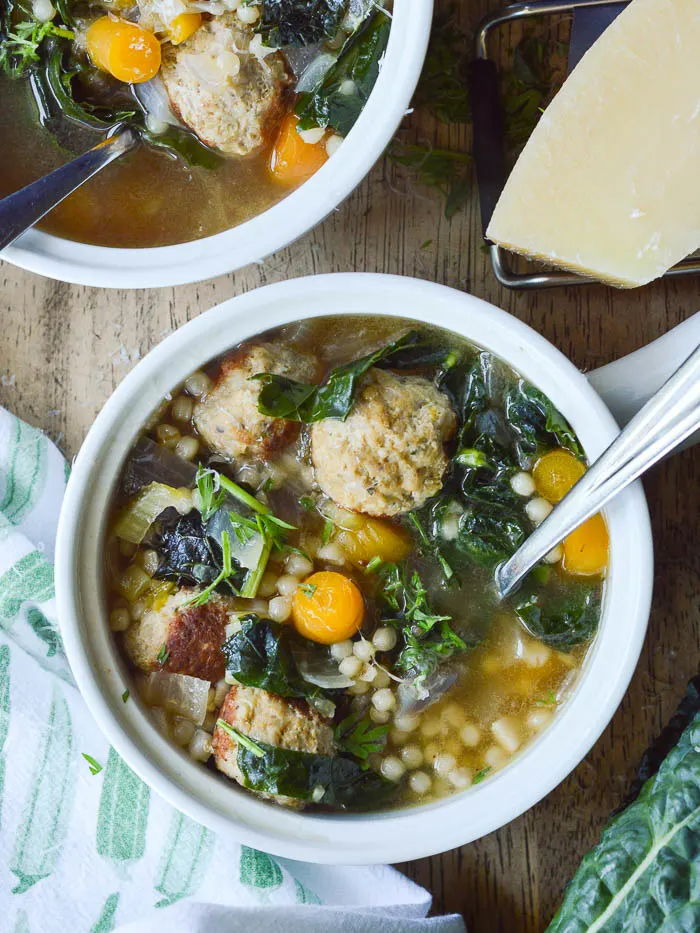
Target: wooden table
x=65, y=348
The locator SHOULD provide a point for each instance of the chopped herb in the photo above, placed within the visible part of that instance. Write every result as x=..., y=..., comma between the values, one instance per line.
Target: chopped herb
x=20, y=49
x=358, y=736
x=163, y=656
x=95, y=766
x=211, y=495
x=446, y=170
x=425, y=244
x=480, y=775
x=373, y=565
x=242, y=739
x=308, y=589
x=268, y=485
x=529, y=85
x=307, y=504
x=549, y=700
x=226, y=572
x=442, y=88
x=125, y=696
x=328, y=530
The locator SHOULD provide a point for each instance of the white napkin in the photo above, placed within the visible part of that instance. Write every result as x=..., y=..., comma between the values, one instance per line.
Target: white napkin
x=92, y=853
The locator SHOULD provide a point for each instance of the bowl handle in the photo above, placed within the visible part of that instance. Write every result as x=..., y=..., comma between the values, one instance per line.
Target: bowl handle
x=629, y=382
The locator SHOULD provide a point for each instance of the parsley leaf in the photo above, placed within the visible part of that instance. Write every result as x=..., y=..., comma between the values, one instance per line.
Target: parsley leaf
x=360, y=737
x=95, y=766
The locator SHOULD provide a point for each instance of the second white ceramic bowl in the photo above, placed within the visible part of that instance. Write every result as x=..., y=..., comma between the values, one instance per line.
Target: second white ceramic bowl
x=389, y=836
x=297, y=213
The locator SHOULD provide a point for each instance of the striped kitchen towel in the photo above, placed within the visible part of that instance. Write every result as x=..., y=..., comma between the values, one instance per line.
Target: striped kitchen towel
x=85, y=846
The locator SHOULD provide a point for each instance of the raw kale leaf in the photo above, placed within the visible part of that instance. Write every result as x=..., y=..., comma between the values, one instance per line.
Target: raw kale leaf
x=564, y=620
x=300, y=22
x=259, y=655
x=537, y=422
x=281, y=397
x=301, y=775
x=189, y=556
x=642, y=875
x=329, y=104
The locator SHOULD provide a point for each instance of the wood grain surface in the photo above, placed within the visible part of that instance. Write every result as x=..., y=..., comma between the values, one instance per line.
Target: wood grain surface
x=64, y=349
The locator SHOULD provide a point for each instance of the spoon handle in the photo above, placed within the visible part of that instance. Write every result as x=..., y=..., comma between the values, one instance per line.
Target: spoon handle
x=668, y=418
x=25, y=207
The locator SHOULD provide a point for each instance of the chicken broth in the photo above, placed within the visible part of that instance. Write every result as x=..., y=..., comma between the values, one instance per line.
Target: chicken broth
x=300, y=564
x=225, y=131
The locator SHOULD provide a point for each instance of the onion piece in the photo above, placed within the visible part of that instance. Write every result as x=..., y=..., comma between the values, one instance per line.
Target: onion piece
x=322, y=671
x=178, y=694
x=137, y=517
x=315, y=72
x=155, y=102
x=150, y=462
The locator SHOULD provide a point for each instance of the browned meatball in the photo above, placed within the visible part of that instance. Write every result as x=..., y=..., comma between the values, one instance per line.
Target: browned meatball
x=388, y=456
x=228, y=418
x=230, y=98
x=190, y=637
x=273, y=720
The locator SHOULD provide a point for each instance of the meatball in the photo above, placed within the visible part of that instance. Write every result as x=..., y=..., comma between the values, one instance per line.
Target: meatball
x=228, y=418
x=229, y=97
x=189, y=638
x=273, y=720
x=388, y=456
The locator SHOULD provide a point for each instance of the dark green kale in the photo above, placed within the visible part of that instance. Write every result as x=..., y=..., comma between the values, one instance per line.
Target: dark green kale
x=537, y=423
x=561, y=620
x=300, y=22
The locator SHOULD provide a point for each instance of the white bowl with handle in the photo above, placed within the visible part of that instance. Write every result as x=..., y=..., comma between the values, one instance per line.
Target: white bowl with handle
x=290, y=218
x=393, y=835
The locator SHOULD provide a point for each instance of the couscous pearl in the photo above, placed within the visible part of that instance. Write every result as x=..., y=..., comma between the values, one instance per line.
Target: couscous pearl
x=280, y=608
x=522, y=484
x=248, y=14
x=495, y=757
x=268, y=585
x=384, y=699
x=200, y=746
x=299, y=566
x=149, y=561
x=137, y=610
x=430, y=727
x=43, y=10
x=537, y=719
x=384, y=639
x=198, y=384
x=507, y=733
x=333, y=144
x=381, y=718
x=412, y=756
x=460, y=778
x=430, y=753
x=369, y=673
x=182, y=408
x=419, y=782
x=470, y=735
x=358, y=688
x=452, y=714
x=318, y=793
x=119, y=620
x=382, y=679
x=342, y=650
x=187, y=448
x=312, y=136
x=397, y=736
x=555, y=555
x=350, y=666
x=449, y=528
x=287, y=585
x=332, y=554
x=220, y=692
x=167, y=434
x=393, y=769
x=211, y=699
x=443, y=764
x=363, y=649
x=537, y=510
x=348, y=87
x=535, y=654
x=407, y=722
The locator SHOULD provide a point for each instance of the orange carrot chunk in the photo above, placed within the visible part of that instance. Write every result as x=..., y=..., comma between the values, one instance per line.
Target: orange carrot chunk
x=293, y=160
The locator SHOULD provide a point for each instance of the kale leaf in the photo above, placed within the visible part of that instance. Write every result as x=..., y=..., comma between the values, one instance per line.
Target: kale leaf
x=537, y=422
x=329, y=104
x=321, y=779
x=189, y=555
x=564, y=620
x=281, y=397
x=260, y=655
x=300, y=22
x=489, y=535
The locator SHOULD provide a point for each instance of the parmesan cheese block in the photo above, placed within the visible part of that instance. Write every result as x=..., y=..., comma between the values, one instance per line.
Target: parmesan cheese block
x=609, y=182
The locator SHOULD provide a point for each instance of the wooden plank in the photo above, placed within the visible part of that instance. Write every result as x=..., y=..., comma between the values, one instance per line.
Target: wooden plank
x=66, y=348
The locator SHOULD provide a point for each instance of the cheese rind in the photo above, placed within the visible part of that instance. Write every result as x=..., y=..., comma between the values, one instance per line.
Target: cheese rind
x=609, y=182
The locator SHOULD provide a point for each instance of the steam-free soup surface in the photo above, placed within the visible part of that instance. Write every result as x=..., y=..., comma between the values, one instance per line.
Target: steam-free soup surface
x=349, y=652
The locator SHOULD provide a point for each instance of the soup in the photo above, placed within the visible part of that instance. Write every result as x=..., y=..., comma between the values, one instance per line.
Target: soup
x=236, y=103
x=300, y=564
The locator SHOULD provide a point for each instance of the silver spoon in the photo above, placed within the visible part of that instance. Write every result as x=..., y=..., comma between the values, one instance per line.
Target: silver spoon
x=667, y=419
x=21, y=210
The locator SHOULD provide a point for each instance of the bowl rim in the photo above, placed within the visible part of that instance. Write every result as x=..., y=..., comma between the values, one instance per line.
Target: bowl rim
x=254, y=239
x=389, y=836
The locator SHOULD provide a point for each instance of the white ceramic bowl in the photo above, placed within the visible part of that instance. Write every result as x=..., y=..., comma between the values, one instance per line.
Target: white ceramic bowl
x=301, y=210
x=221, y=805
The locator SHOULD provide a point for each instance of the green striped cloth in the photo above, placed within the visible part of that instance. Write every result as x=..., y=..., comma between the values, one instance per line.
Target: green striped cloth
x=85, y=846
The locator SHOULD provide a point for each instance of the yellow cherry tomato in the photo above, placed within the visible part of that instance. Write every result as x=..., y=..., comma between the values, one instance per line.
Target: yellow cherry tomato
x=327, y=607
x=586, y=549
x=294, y=160
x=374, y=538
x=183, y=26
x=124, y=50
x=555, y=473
